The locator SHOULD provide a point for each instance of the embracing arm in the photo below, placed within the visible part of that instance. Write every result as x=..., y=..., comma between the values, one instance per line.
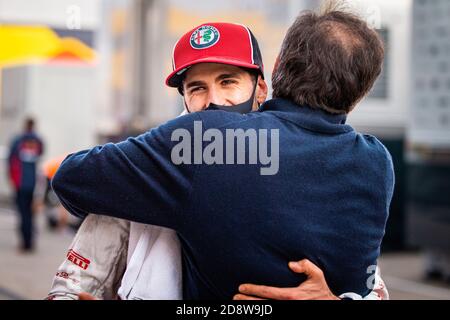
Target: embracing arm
x=315, y=287
x=95, y=262
x=134, y=180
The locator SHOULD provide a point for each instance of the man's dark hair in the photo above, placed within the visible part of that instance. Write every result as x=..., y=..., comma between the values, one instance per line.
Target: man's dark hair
x=29, y=124
x=328, y=61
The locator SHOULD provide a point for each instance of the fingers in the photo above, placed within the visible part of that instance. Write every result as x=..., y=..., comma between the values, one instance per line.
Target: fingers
x=266, y=292
x=86, y=296
x=315, y=279
x=307, y=267
x=245, y=297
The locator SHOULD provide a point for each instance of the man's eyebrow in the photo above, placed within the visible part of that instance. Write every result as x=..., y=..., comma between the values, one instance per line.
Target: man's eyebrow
x=228, y=76
x=221, y=77
x=194, y=84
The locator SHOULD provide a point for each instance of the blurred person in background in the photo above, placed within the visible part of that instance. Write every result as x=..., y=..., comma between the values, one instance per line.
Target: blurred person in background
x=24, y=153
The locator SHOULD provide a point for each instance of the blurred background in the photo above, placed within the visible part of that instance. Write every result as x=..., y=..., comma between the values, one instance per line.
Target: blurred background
x=92, y=71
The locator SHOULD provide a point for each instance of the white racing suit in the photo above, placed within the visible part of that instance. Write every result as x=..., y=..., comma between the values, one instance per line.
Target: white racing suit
x=112, y=258
x=95, y=261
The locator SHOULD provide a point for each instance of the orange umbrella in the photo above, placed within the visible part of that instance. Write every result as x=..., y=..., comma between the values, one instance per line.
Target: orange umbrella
x=28, y=44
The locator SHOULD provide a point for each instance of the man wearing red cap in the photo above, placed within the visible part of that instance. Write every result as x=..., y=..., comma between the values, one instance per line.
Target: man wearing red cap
x=216, y=66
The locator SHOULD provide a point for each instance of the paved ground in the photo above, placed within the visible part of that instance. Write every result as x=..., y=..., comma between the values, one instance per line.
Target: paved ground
x=30, y=276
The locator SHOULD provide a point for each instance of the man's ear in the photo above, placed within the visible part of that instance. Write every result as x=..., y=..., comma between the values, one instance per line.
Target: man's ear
x=277, y=63
x=261, y=91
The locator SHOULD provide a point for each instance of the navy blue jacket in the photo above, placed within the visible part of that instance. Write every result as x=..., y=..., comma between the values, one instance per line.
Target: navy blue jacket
x=329, y=201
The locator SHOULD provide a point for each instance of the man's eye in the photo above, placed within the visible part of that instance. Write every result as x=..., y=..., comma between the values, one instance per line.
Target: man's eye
x=196, y=89
x=228, y=82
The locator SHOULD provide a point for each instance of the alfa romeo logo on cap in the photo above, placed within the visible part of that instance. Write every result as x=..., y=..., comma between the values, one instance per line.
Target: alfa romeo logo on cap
x=204, y=37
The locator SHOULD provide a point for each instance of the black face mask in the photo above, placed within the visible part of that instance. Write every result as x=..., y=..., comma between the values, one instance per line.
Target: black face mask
x=242, y=108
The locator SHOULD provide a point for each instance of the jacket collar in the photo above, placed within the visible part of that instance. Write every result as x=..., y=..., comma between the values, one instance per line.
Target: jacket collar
x=306, y=117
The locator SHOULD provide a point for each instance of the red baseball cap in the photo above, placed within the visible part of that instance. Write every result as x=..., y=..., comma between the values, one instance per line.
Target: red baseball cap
x=216, y=42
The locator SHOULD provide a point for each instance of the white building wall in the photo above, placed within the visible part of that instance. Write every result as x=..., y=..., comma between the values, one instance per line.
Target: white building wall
x=60, y=97
x=56, y=13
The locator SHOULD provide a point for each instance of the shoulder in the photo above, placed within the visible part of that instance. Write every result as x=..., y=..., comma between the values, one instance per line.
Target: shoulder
x=182, y=122
x=30, y=137
x=374, y=146
x=36, y=137
x=14, y=141
x=379, y=156
x=219, y=119
x=209, y=119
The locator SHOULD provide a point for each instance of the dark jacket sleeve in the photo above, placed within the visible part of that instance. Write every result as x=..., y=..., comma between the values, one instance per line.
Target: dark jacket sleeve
x=134, y=179
x=12, y=152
